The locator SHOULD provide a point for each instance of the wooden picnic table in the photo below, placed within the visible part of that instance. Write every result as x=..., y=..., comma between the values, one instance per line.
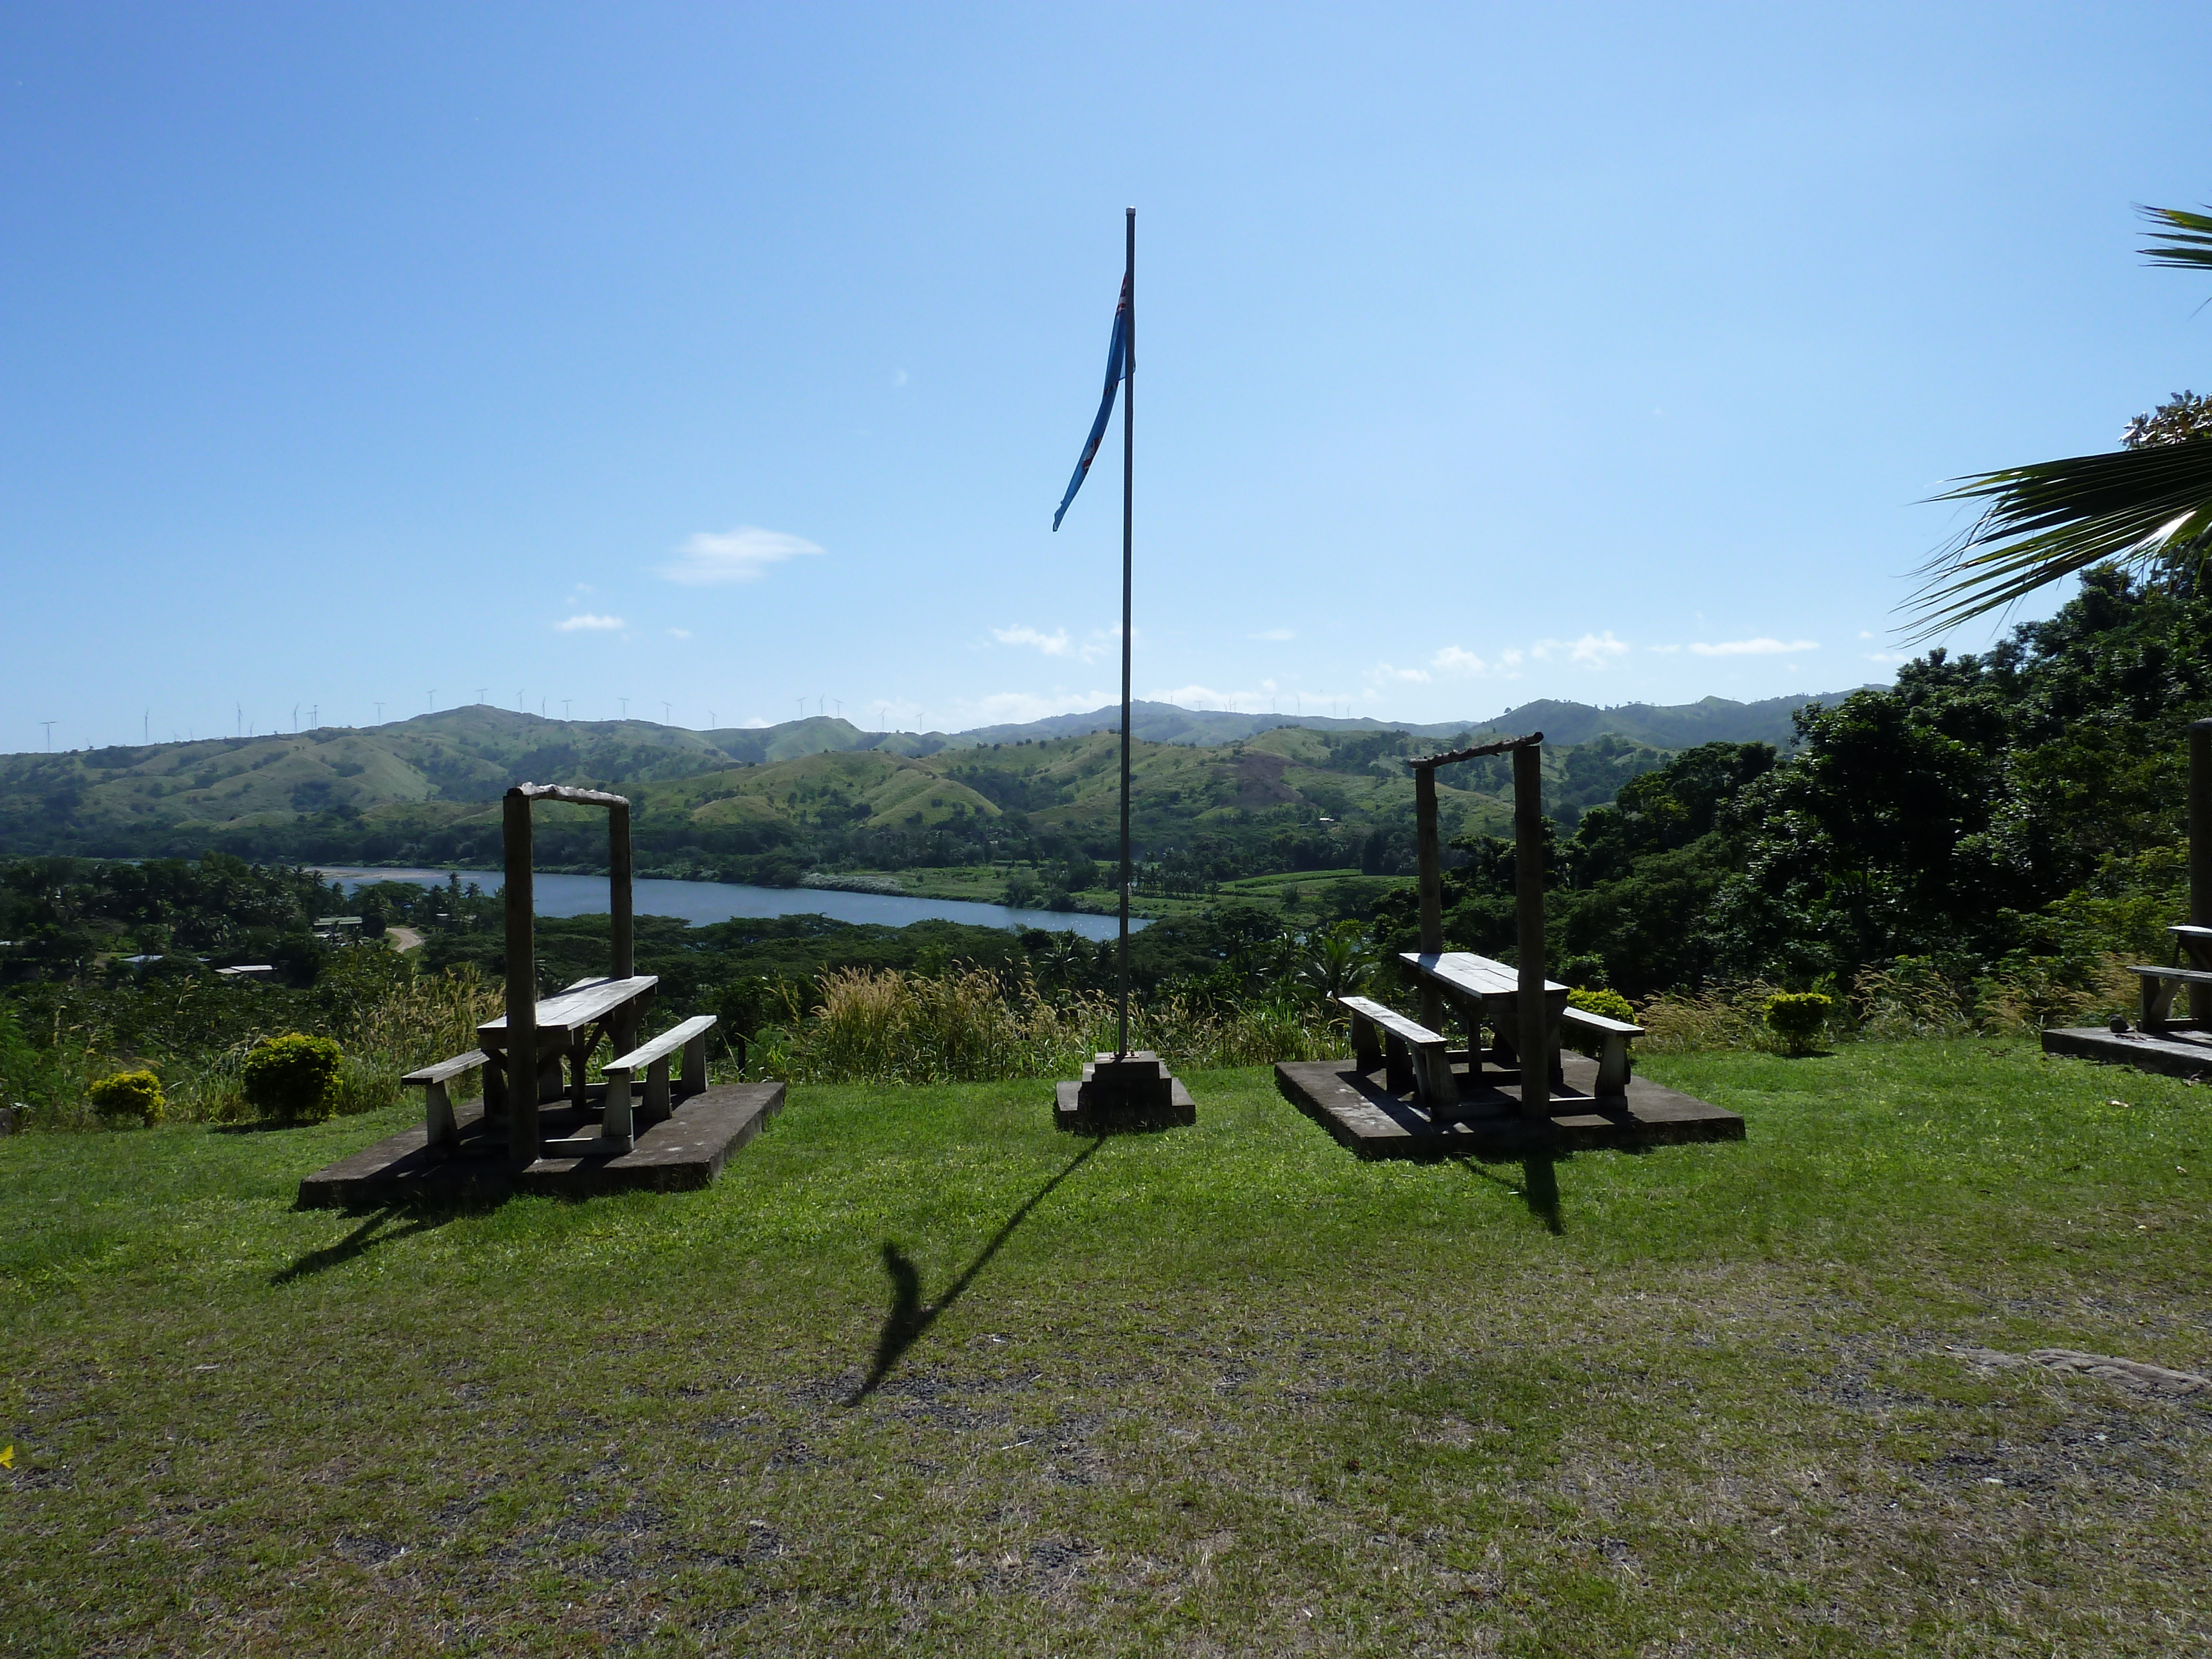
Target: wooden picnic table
x=1481, y=991
x=570, y=1024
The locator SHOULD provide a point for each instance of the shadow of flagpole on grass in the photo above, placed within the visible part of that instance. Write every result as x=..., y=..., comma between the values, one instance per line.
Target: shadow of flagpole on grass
x=909, y=1317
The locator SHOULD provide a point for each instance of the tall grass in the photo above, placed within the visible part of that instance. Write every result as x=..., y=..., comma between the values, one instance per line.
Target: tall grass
x=1908, y=997
x=386, y=1018
x=888, y=1026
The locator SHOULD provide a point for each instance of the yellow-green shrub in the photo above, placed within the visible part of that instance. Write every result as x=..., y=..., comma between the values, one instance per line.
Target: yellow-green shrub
x=129, y=1094
x=1797, y=1016
x=295, y=1077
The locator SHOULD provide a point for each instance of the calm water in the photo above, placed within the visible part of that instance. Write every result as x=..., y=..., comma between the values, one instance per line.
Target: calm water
x=722, y=901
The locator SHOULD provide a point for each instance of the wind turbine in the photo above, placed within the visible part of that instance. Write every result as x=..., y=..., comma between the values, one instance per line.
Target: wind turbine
x=665, y=717
x=295, y=717
x=482, y=691
x=565, y=703
x=380, y=714
x=430, y=701
x=50, y=725
x=624, y=701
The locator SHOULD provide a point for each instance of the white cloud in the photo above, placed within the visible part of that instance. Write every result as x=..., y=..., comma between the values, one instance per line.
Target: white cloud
x=1591, y=651
x=1889, y=658
x=898, y=377
x=1466, y=664
x=1276, y=634
x=585, y=620
x=1758, y=647
x=680, y=633
x=736, y=556
x=1018, y=708
x=1664, y=650
x=1054, y=644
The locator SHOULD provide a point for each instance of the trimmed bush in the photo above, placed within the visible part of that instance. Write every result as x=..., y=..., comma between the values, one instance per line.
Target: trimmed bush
x=1797, y=1016
x=293, y=1078
x=129, y=1094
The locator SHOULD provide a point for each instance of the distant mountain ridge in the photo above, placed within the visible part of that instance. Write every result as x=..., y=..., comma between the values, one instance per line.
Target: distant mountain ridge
x=426, y=785
x=1662, y=725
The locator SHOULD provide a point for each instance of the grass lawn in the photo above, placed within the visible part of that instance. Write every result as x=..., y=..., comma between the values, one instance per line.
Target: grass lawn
x=920, y=1375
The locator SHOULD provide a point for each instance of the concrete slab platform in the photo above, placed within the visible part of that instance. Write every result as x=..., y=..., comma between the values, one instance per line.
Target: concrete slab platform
x=2177, y=1051
x=1364, y=1114
x=682, y=1152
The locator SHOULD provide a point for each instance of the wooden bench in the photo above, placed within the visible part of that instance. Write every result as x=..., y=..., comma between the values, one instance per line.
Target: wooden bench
x=1613, y=1036
x=1412, y=1056
x=2158, y=985
x=438, y=1122
x=618, y=1125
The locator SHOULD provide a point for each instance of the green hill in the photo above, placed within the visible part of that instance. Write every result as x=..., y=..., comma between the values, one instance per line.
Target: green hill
x=1228, y=794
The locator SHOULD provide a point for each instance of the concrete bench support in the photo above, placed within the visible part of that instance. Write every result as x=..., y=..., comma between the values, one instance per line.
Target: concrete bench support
x=438, y=1124
x=1613, y=1036
x=1412, y=1056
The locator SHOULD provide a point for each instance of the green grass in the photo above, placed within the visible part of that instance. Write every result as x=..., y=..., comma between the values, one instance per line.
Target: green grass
x=1220, y=1391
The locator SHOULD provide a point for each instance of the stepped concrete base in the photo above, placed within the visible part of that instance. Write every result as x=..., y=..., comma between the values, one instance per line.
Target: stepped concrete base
x=2177, y=1051
x=1117, y=1094
x=683, y=1151
x=1362, y=1113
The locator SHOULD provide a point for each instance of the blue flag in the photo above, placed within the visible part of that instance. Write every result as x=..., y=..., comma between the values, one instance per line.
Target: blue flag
x=1116, y=357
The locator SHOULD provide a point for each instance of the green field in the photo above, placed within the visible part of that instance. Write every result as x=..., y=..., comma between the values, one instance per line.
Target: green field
x=920, y=1375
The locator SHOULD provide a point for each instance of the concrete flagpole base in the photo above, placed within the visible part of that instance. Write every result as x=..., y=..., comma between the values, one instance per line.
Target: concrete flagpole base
x=1132, y=1092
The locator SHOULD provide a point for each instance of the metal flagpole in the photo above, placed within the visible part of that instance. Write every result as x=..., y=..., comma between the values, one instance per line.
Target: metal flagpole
x=1129, y=459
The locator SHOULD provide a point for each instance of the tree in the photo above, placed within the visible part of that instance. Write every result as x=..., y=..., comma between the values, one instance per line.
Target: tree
x=2146, y=505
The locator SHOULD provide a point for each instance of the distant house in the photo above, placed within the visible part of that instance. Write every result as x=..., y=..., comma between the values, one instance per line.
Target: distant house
x=256, y=970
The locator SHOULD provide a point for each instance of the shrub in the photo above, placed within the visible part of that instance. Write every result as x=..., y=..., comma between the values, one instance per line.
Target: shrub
x=1610, y=1004
x=129, y=1094
x=293, y=1078
x=1797, y=1016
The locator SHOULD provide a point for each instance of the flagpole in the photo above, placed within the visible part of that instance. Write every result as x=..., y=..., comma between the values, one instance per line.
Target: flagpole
x=1128, y=460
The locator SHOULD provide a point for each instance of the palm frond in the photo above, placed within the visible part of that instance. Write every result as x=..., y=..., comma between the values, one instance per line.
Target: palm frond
x=2187, y=243
x=2056, y=518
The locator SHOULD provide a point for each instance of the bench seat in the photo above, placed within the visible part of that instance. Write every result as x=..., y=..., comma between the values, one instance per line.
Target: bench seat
x=2158, y=985
x=618, y=1124
x=1614, y=1037
x=438, y=1126
x=1412, y=1056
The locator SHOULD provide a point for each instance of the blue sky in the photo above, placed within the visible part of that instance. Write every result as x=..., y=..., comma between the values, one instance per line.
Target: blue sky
x=715, y=357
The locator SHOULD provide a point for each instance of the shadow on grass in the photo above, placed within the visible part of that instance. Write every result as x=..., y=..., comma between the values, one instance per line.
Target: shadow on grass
x=371, y=1235
x=1539, y=1188
x=909, y=1317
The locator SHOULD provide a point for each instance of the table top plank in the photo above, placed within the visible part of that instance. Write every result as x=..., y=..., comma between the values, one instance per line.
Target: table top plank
x=1463, y=970
x=585, y=1000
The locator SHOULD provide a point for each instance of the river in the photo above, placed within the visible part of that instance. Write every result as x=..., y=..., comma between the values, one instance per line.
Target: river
x=723, y=900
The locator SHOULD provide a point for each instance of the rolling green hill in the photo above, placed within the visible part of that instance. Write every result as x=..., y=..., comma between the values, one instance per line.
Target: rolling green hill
x=770, y=803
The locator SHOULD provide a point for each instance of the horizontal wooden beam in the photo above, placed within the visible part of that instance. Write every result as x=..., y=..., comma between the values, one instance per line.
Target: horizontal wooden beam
x=1504, y=745
x=563, y=792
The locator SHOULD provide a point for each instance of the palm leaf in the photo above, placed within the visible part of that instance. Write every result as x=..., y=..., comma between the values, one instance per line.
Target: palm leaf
x=2187, y=245
x=2058, y=518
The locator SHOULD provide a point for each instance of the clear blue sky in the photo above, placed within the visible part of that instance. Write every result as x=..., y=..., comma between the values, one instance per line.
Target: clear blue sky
x=715, y=356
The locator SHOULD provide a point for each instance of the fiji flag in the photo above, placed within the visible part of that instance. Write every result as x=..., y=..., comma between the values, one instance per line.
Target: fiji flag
x=1118, y=368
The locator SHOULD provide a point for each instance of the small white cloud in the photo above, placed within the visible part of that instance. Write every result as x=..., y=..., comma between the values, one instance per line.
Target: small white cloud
x=1591, y=651
x=1758, y=647
x=679, y=633
x=1054, y=644
x=1664, y=650
x=1865, y=634
x=1889, y=658
x=736, y=556
x=586, y=622
x=898, y=377
x=1452, y=659
x=1277, y=634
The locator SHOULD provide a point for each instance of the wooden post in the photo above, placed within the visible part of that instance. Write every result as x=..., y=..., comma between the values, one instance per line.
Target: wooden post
x=618, y=893
x=2200, y=857
x=1533, y=1039
x=1431, y=859
x=521, y=984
